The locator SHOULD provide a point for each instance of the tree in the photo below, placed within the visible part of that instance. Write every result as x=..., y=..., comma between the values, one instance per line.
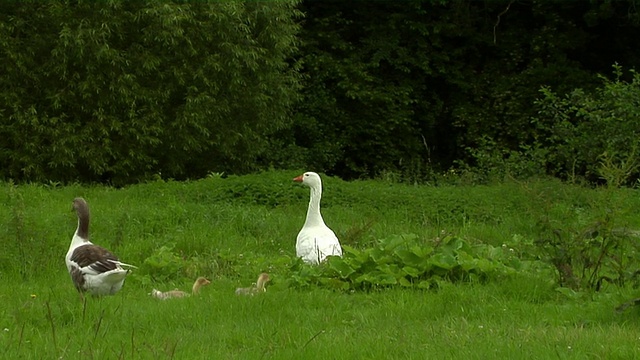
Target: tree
x=117, y=91
x=418, y=85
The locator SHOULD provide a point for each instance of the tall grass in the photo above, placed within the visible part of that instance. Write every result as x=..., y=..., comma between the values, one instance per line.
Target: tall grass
x=231, y=229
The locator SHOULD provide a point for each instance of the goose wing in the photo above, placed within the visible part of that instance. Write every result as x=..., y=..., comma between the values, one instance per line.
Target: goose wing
x=95, y=259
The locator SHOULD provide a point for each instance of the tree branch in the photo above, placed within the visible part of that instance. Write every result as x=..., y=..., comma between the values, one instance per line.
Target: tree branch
x=498, y=20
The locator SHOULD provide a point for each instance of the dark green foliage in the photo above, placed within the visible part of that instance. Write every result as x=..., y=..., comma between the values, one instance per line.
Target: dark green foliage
x=563, y=49
x=117, y=91
x=368, y=105
x=589, y=133
x=120, y=92
x=415, y=87
x=583, y=134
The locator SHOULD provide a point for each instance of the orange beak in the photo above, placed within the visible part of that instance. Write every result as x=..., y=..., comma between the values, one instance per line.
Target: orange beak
x=298, y=178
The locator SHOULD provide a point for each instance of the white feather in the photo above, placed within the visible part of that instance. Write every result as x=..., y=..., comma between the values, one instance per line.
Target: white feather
x=316, y=240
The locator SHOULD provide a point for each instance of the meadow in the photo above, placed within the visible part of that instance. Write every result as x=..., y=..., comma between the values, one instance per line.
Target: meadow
x=231, y=229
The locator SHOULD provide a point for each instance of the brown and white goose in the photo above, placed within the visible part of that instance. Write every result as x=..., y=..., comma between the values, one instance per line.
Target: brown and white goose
x=195, y=289
x=315, y=240
x=259, y=287
x=93, y=269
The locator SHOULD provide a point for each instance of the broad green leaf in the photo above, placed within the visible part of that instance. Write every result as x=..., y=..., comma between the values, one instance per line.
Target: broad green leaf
x=340, y=267
x=422, y=252
x=569, y=293
x=404, y=282
x=386, y=279
x=346, y=249
x=425, y=284
x=443, y=261
x=365, y=278
x=411, y=271
x=393, y=242
x=380, y=256
x=391, y=269
x=485, y=265
x=466, y=261
x=409, y=257
x=494, y=253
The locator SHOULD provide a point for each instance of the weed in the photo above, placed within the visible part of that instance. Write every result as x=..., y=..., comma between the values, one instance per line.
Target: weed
x=616, y=172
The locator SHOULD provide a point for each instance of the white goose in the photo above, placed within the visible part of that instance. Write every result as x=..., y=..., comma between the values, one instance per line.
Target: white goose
x=93, y=269
x=315, y=240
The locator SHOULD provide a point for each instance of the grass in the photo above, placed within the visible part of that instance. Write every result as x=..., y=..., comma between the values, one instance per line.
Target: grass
x=231, y=229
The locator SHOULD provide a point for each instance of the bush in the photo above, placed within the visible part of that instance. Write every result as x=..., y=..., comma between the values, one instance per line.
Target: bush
x=594, y=135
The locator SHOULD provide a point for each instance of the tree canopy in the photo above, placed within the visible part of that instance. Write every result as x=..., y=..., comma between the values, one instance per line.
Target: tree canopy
x=420, y=86
x=118, y=91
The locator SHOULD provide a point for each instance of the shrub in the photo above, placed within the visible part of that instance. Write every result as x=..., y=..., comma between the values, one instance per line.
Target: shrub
x=595, y=134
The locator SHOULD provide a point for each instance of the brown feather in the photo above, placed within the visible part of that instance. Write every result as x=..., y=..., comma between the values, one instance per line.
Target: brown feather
x=82, y=209
x=77, y=278
x=99, y=258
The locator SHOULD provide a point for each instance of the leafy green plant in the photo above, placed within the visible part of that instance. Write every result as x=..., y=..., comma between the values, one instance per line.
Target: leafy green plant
x=586, y=251
x=493, y=163
x=616, y=169
x=587, y=260
x=403, y=260
x=163, y=264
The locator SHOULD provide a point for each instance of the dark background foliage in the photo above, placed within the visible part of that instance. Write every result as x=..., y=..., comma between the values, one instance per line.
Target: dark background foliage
x=119, y=92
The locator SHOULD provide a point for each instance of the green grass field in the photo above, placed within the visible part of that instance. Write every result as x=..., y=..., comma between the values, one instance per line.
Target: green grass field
x=229, y=230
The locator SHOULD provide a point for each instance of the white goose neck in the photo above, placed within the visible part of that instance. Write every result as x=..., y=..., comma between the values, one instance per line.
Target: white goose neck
x=314, y=218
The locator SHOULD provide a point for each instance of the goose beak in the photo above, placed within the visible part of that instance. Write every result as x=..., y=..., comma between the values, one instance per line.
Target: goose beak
x=298, y=178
